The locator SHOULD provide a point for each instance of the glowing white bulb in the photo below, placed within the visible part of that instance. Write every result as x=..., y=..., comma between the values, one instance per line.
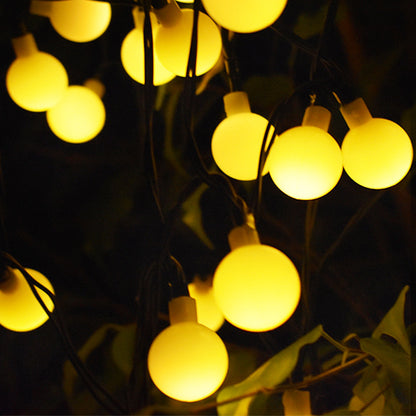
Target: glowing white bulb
x=35, y=80
x=244, y=16
x=173, y=40
x=132, y=52
x=207, y=309
x=377, y=153
x=80, y=115
x=19, y=309
x=75, y=20
x=187, y=361
x=236, y=142
x=305, y=162
x=256, y=286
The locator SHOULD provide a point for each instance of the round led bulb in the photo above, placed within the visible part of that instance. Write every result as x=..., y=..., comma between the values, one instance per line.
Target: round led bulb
x=79, y=116
x=75, y=20
x=305, y=162
x=173, y=41
x=35, y=80
x=208, y=312
x=19, y=309
x=244, y=16
x=257, y=287
x=187, y=361
x=236, y=141
x=132, y=52
x=377, y=153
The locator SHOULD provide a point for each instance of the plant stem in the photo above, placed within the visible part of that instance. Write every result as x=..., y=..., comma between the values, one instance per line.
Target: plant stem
x=280, y=389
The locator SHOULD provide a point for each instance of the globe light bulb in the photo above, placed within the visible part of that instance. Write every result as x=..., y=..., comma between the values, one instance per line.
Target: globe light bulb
x=208, y=312
x=236, y=141
x=256, y=286
x=19, y=309
x=173, y=40
x=75, y=20
x=377, y=153
x=305, y=162
x=132, y=52
x=35, y=80
x=244, y=16
x=80, y=115
x=187, y=361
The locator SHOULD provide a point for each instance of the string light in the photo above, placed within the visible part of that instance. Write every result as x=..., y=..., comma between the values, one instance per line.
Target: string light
x=35, y=80
x=173, y=40
x=187, y=361
x=244, y=16
x=305, y=162
x=132, y=52
x=75, y=20
x=236, y=141
x=80, y=115
x=377, y=153
x=19, y=309
x=256, y=286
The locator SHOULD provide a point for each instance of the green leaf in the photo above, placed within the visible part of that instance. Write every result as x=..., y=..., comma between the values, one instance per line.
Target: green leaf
x=396, y=364
x=94, y=354
x=192, y=215
x=393, y=323
x=122, y=348
x=311, y=24
x=269, y=375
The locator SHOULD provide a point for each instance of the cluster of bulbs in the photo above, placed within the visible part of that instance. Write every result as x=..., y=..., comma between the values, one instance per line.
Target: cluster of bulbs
x=255, y=287
x=306, y=162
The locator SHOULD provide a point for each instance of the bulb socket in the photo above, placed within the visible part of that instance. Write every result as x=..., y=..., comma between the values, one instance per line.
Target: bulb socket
x=96, y=86
x=182, y=309
x=356, y=113
x=317, y=116
x=24, y=45
x=41, y=8
x=169, y=14
x=243, y=235
x=236, y=102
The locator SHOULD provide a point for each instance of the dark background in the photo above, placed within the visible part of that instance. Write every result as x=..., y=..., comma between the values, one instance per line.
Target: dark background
x=84, y=215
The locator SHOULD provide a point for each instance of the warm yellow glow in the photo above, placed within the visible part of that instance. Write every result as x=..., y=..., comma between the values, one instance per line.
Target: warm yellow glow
x=187, y=361
x=19, y=309
x=35, y=80
x=78, y=117
x=173, y=44
x=244, y=15
x=305, y=162
x=132, y=53
x=377, y=154
x=75, y=20
x=257, y=287
x=208, y=312
x=236, y=145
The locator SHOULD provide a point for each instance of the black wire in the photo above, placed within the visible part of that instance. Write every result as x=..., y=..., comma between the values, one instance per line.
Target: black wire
x=216, y=180
x=328, y=24
x=148, y=105
x=90, y=382
x=230, y=61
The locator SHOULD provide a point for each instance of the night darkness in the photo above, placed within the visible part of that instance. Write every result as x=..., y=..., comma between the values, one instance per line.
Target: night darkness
x=85, y=215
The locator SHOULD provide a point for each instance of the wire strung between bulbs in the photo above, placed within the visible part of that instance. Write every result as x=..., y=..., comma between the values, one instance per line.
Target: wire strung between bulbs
x=91, y=383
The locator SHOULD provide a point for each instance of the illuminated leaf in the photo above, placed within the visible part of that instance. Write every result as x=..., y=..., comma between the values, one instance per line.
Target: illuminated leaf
x=393, y=323
x=396, y=364
x=272, y=373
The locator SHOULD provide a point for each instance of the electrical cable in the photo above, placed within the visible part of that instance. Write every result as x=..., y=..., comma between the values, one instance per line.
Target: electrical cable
x=90, y=382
